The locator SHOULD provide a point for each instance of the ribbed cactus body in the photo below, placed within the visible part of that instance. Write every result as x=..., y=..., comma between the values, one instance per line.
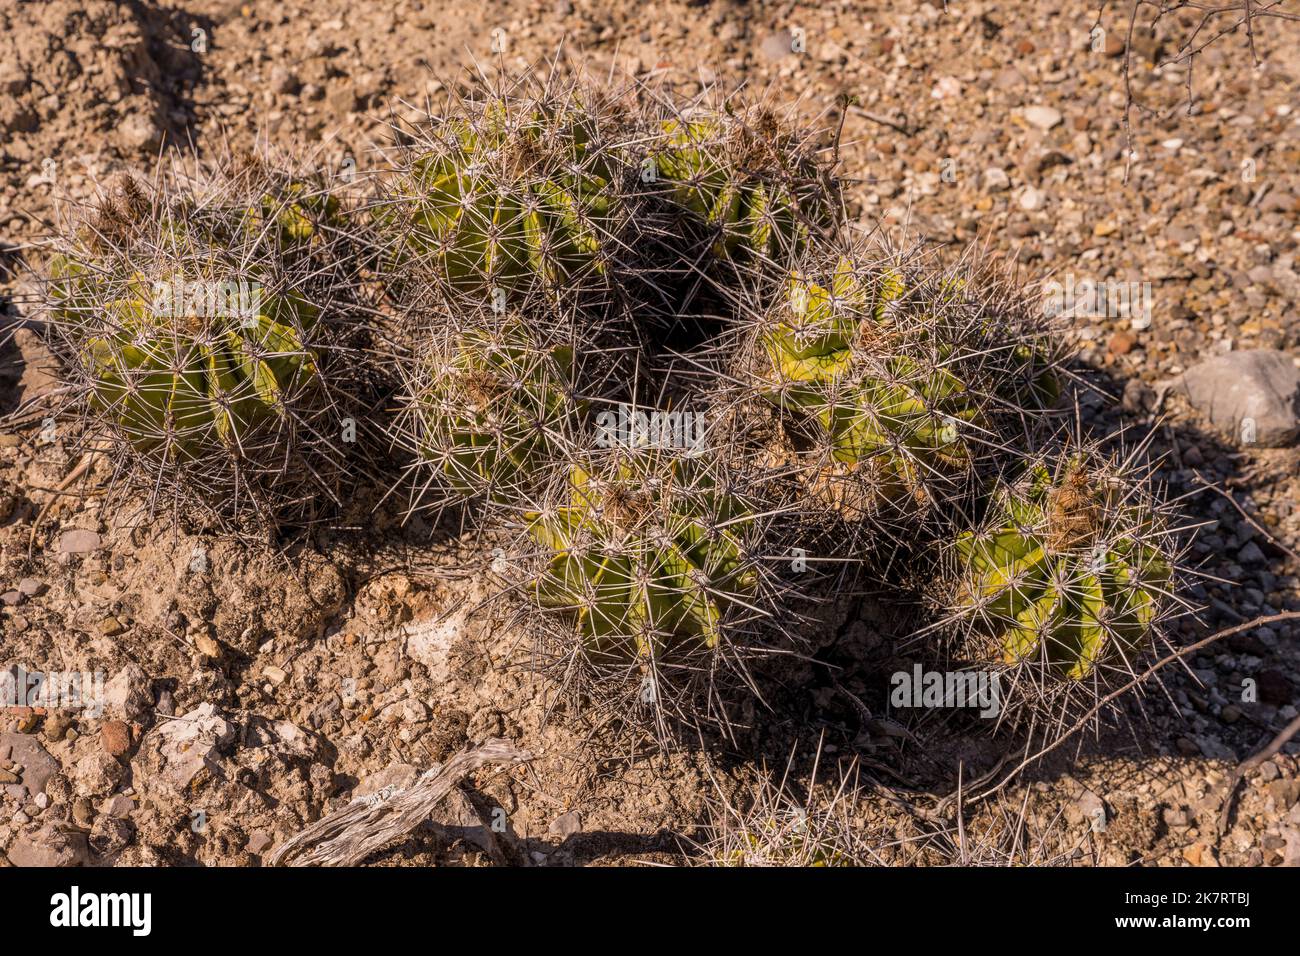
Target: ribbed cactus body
x=749, y=184
x=490, y=404
x=294, y=213
x=886, y=417
x=206, y=338
x=516, y=195
x=184, y=386
x=645, y=555
x=1064, y=573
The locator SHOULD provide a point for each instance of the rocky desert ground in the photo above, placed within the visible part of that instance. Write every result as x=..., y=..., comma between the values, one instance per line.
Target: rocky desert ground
x=249, y=691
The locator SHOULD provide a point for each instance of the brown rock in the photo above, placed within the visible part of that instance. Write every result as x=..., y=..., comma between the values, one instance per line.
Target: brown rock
x=52, y=845
x=1121, y=343
x=115, y=735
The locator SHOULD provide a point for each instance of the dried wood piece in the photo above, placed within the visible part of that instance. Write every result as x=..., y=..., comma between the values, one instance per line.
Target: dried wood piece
x=348, y=836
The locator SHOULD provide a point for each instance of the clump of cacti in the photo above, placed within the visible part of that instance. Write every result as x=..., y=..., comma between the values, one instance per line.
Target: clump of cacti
x=218, y=335
x=1066, y=580
x=747, y=181
x=211, y=366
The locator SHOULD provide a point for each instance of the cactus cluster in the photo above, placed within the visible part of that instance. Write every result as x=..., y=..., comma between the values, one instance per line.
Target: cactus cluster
x=479, y=302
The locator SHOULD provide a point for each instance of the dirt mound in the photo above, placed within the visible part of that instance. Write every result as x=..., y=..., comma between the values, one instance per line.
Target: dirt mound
x=86, y=89
x=74, y=73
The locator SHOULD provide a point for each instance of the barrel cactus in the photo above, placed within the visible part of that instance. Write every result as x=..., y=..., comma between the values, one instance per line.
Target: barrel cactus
x=1067, y=579
x=514, y=190
x=489, y=401
x=893, y=393
x=215, y=373
x=750, y=180
x=648, y=556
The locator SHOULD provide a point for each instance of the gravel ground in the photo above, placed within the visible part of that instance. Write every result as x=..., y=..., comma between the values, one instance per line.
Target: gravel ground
x=308, y=679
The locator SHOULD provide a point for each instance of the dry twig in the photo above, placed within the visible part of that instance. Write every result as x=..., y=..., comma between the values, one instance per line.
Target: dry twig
x=348, y=836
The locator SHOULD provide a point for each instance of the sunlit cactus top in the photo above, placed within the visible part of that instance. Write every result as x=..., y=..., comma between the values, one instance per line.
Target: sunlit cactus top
x=751, y=179
x=516, y=190
x=646, y=553
x=1071, y=570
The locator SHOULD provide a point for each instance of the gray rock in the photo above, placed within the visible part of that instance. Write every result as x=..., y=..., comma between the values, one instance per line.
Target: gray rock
x=1253, y=396
x=996, y=179
x=777, y=45
x=97, y=774
x=259, y=841
x=1093, y=810
x=566, y=825
x=78, y=541
x=1251, y=554
x=393, y=778
x=118, y=805
x=35, y=765
x=1215, y=749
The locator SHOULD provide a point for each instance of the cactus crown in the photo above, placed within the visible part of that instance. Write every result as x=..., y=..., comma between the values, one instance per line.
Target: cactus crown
x=490, y=400
x=647, y=554
x=516, y=189
x=746, y=177
x=896, y=388
x=1071, y=571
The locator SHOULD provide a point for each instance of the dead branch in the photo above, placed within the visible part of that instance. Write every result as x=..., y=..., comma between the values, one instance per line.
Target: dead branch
x=348, y=836
x=1246, y=766
x=1238, y=13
